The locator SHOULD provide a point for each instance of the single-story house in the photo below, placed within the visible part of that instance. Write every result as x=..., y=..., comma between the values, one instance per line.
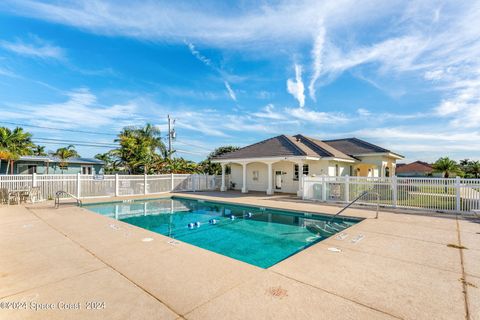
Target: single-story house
x=279, y=163
x=416, y=169
x=53, y=165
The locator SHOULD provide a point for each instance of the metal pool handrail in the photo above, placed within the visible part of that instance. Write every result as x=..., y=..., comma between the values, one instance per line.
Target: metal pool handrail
x=60, y=193
x=355, y=200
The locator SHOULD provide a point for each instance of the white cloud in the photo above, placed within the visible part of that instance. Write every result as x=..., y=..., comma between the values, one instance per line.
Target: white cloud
x=37, y=48
x=317, y=53
x=198, y=55
x=269, y=112
x=80, y=110
x=231, y=93
x=317, y=117
x=296, y=87
x=282, y=22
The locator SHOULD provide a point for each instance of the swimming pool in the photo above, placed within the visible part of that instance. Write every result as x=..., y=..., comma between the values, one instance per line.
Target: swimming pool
x=259, y=236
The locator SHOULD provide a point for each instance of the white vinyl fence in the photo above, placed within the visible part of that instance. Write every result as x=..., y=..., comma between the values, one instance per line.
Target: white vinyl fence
x=91, y=186
x=454, y=195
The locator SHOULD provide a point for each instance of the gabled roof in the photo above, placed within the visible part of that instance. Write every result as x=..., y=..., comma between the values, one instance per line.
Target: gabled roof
x=57, y=160
x=284, y=146
x=300, y=145
x=278, y=146
x=355, y=146
x=417, y=166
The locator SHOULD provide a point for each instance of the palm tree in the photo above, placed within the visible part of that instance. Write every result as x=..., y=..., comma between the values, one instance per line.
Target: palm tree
x=16, y=143
x=39, y=150
x=216, y=168
x=446, y=166
x=64, y=154
x=474, y=168
x=110, y=161
x=138, y=148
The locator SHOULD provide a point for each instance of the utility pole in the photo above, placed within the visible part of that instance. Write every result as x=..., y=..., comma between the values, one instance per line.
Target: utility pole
x=171, y=134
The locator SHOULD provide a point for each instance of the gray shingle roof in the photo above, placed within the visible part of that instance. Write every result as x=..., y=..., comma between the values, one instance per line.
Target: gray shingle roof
x=274, y=147
x=54, y=159
x=355, y=146
x=300, y=145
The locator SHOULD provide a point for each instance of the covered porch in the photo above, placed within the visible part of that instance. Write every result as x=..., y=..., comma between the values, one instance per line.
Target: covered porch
x=272, y=175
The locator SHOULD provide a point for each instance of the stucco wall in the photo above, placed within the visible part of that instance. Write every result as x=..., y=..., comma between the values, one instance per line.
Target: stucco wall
x=21, y=167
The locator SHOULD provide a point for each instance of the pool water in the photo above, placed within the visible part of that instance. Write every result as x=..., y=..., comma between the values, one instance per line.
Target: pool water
x=259, y=236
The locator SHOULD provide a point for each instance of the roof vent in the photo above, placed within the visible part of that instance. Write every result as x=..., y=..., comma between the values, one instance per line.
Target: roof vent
x=298, y=139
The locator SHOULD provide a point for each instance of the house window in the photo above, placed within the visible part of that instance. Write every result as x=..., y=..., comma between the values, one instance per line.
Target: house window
x=351, y=171
x=32, y=168
x=295, y=171
x=255, y=175
x=87, y=170
x=387, y=172
x=337, y=171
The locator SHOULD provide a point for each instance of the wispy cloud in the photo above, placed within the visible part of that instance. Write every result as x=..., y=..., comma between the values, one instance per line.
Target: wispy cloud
x=81, y=109
x=198, y=55
x=231, y=93
x=317, y=53
x=296, y=87
x=36, y=48
x=206, y=61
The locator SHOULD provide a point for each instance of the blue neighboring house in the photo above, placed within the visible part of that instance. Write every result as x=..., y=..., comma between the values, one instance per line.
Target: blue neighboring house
x=52, y=165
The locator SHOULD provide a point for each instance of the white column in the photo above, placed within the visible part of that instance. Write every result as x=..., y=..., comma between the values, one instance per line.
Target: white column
x=223, y=188
x=244, y=178
x=300, y=178
x=270, y=179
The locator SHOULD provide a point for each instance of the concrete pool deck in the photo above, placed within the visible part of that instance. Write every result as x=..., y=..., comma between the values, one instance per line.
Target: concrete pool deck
x=402, y=268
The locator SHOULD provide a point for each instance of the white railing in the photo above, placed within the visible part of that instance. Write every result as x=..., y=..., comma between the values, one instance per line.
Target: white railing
x=92, y=186
x=455, y=195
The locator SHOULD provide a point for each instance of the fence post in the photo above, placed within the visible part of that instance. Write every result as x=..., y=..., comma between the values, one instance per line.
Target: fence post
x=34, y=179
x=79, y=184
x=457, y=192
x=116, y=185
x=324, y=188
x=347, y=188
x=394, y=186
x=172, y=182
x=145, y=183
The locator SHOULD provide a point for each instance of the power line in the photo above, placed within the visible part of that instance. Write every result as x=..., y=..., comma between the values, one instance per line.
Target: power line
x=76, y=141
x=76, y=144
x=59, y=129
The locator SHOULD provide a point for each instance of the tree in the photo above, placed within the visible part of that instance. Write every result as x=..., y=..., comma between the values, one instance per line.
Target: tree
x=179, y=165
x=39, y=150
x=139, y=148
x=447, y=167
x=474, y=169
x=215, y=168
x=14, y=143
x=64, y=154
x=110, y=161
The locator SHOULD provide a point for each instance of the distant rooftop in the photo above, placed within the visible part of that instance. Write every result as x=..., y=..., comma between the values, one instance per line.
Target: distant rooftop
x=57, y=160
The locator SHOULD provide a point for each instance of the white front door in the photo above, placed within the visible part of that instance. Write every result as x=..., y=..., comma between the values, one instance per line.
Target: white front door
x=278, y=179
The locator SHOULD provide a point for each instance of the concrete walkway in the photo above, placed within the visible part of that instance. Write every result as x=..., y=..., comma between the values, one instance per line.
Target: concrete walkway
x=400, y=267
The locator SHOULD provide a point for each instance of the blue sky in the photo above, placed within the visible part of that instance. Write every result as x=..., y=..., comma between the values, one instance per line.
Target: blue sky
x=404, y=75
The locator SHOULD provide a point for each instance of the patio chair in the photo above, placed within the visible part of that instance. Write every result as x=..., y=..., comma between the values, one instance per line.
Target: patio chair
x=35, y=195
x=13, y=196
x=3, y=195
